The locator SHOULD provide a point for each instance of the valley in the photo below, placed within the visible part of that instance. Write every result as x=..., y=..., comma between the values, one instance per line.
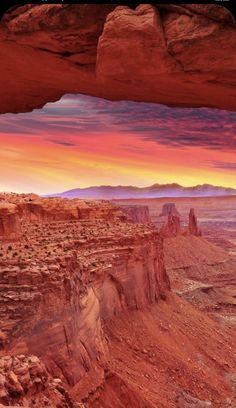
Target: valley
x=100, y=310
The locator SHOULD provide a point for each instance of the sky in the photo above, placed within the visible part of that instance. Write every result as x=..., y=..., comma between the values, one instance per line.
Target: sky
x=83, y=141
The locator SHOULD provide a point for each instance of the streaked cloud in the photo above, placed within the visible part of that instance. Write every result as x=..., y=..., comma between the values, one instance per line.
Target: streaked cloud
x=61, y=142
x=82, y=141
x=224, y=165
x=175, y=127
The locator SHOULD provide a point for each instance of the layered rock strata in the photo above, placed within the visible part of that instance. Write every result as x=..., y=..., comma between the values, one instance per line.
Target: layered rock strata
x=169, y=209
x=172, y=227
x=63, y=279
x=10, y=228
x=137, y=213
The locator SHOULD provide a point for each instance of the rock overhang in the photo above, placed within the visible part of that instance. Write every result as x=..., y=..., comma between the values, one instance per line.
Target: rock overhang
x=178, y=55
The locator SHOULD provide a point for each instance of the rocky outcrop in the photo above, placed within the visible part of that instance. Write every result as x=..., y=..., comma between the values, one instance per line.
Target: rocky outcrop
x=179, y=55
x=137, y=213
x=192, y=224
x=118, y=58
x=65, y=278
x=25, y=381
x=10, y=228
x=33, y=208
x=172, y=227
x=169, y=209
x=20, y=375
x=148, y=347
x=71, y=31
x=88, y=319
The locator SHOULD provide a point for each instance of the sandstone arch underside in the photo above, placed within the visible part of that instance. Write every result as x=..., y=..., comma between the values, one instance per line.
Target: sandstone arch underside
x=178, y=55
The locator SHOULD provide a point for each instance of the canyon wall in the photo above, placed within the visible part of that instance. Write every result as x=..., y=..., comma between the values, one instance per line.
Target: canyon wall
x=88, y=318
x=10, y=228
x=137, y=213
x=178, y=55
x=33, y=208
x=63, y=279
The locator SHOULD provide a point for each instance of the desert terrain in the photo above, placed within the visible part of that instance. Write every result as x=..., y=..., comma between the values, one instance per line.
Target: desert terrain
x=216, y=216
x=88, y=315
x=202, y=272
x=117, y=304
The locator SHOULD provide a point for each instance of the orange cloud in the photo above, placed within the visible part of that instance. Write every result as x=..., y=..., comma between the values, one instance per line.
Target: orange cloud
x=77, y=143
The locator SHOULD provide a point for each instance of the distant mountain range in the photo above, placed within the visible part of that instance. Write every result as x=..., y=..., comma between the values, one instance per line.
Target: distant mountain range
x=154, y=191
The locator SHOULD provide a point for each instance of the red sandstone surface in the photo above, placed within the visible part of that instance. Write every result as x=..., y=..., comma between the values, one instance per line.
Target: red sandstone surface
x=179, y=55
x=202, y=273
x=216, y=216
x=88, y=318
x=192, y=224
x=137, y=213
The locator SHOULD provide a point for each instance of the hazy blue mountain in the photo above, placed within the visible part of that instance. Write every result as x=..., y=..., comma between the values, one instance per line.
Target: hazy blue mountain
x=154, y=191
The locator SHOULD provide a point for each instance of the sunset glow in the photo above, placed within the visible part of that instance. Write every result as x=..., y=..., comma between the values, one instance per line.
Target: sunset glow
x=82, y=141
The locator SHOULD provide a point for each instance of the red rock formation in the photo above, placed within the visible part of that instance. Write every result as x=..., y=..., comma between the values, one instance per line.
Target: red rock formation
x=172, y=227
x=169, y=209
x=192, y=225
x=180, y=55
x=69, y=275
x=10, y=228
x=24, y=380
x=90, y=298
x=148, y=347
x=33, y=208
x=137, y=213
x=120, y=53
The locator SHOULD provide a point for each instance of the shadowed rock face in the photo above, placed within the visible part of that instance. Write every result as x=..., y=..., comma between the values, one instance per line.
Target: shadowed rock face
x=169, y=209
x=172, y=227
x=192, y=225
x=77, y=265
x=179, y=55
x=137, y=213
x=10, y=228
x=87, y=293
x=25, y=381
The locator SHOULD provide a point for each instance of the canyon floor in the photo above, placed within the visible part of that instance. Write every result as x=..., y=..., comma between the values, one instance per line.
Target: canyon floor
x=99, y=310
x=203, y=273
x=216, y=215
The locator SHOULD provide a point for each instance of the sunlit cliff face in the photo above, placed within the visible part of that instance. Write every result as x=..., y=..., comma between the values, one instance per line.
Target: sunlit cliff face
x=81, y=141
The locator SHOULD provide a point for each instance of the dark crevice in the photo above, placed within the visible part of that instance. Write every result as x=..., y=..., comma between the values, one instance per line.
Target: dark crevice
x=60, y=53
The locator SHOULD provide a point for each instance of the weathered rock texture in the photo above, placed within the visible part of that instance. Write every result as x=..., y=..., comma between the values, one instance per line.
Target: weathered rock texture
x=88, y=320
x=180, y=55
x=76, y=266
x=172, y=227
x=137, y=213
x=169, y=209
x=192, y=224
x=10, y=227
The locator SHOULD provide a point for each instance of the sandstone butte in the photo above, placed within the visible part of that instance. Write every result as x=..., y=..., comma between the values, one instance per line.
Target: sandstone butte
x=178, y=55
x=88, y=318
